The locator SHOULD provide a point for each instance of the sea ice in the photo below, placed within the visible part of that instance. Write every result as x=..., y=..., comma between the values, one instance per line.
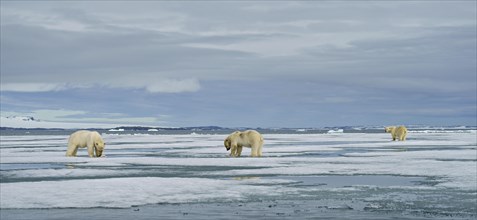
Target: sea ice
x=143, y=169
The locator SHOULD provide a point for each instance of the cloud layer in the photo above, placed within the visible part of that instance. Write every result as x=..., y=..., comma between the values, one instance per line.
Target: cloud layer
x=278, y=58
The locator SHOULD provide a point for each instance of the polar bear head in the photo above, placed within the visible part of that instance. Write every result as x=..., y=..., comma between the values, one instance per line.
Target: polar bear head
x=389, y=129
x=227, y=143
x=99, y=147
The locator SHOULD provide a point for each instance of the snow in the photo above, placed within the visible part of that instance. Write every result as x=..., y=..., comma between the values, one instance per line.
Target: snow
x=125, y=192
x=145, y=169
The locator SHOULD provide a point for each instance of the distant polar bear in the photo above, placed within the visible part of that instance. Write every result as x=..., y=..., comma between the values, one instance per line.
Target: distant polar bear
x=90, y=139
x=397, y=132
x=248, y=138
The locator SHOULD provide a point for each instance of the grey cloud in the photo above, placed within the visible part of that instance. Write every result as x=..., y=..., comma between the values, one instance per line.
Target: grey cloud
x=443, y=54
x=60, y=56
x=300, y=59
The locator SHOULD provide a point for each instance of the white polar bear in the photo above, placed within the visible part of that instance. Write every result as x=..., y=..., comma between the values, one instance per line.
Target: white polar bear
x=90, y=139
x=248, y=138
x=397, y=132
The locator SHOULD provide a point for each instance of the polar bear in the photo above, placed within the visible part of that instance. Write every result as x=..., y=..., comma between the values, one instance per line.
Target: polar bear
x=248, y=138
x=90, y=139
x=397, y=132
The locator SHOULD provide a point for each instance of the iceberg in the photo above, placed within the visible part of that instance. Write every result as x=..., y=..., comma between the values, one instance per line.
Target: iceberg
x=335, y=131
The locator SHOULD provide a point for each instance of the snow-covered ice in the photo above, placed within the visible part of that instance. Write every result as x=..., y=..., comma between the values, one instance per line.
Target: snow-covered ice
x=149, y=169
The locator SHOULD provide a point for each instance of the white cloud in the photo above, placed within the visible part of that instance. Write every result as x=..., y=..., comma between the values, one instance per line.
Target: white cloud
x=31, y=87
x=39, y=87
x=173, y=86
x=55, y=115
x=65, y=118
x=74, y=116
x=152, y=86
x=288, y=44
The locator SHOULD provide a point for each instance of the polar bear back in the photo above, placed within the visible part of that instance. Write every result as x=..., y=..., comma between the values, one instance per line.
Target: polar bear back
x=399, y=132
x=239, y=139
x=249, y=138
x=84, y=138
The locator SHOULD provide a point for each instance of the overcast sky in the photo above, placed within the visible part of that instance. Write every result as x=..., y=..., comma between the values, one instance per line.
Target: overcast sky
x=232, y=64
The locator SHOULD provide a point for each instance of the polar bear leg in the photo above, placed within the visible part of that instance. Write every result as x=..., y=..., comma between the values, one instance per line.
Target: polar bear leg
x=254, y=151
x=90, y=150
x=260, y=151
x=75, y=151
x=71, y=151
x=403, y=137
x=239, y=151
x=233, y=150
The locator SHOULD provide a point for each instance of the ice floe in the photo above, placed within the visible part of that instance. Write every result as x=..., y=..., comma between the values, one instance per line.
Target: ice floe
x=144, y=169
